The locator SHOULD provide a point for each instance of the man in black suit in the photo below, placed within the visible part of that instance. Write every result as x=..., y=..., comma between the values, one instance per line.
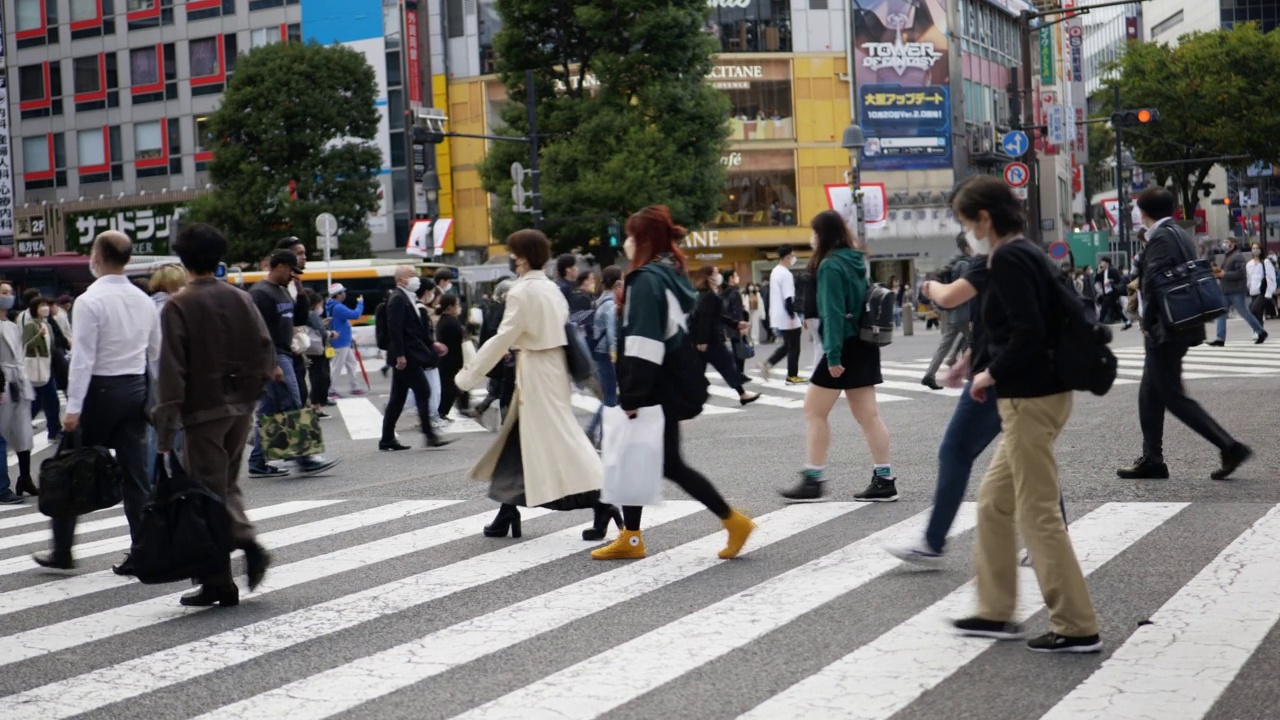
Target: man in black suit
x=411, y=352
x=1161, y=388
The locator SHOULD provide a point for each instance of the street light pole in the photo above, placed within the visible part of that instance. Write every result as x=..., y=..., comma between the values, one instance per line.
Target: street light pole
x=431, y=184
x=853, y=141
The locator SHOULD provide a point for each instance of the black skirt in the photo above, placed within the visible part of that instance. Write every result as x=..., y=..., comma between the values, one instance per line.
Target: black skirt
x=861, y=362
x=507, y=485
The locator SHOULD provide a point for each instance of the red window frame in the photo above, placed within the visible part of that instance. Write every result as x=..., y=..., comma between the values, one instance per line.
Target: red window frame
x=87, y=24
x=44, y=174
x=203, y=4
x=163, y=160
x=137, y=15
x=44, y=102
x=158, y=85
x=101, y=93
x=44, y=23
x=105, y=167
x=218, y=77
x=284, y=33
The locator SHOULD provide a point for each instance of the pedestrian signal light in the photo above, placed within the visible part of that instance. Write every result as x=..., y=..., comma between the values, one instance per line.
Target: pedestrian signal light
x=427, y=136
x=1220, y=201
x=1131, y=118
x=615, y=233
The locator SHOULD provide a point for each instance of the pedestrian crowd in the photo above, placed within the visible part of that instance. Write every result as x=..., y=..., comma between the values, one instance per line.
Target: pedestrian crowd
x=182, y=381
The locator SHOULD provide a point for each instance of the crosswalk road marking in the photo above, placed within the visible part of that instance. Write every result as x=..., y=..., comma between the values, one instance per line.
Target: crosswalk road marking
x=363, y=419
x=104, y=643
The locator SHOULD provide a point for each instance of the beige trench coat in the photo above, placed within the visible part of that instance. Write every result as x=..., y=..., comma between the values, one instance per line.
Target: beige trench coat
x=557, y=456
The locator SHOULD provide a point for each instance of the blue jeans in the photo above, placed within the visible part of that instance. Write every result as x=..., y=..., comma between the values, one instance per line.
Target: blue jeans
x=973, y=427
x=269, y=406
x=608, y=375
x=47, y=400
x=1241, y=304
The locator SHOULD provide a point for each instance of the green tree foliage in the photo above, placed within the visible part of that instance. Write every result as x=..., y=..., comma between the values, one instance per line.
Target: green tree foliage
x=1099, y=172
x=627, y=116
x=293, y=112
x=1215, y=92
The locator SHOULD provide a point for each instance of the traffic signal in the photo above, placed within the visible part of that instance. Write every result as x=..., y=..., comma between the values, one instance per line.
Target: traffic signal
x=427, y=136
x=615, y=234
x=1220, y=201
x=1135, y=118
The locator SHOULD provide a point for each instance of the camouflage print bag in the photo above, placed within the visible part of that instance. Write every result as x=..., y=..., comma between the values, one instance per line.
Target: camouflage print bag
x=290, y=434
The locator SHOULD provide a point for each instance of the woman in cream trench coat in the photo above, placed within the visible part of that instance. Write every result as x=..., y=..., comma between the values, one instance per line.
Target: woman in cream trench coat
x=541, y=456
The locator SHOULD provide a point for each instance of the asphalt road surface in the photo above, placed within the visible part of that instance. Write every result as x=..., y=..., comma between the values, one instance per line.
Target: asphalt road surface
x=386, y=602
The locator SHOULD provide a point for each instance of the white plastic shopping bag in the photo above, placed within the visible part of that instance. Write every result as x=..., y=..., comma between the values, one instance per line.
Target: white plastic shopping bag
x=632, y=456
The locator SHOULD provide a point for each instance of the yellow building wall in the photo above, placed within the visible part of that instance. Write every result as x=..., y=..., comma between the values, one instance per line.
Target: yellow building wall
x=444, y=161
x=822, y=114
x=466, y=110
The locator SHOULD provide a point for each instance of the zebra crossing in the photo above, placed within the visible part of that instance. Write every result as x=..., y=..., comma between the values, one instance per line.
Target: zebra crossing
x=399, y=608
x=1236, y=359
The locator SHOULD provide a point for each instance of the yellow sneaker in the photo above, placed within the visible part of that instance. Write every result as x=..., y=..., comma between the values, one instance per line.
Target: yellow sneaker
x=628, y=546
x=740, y=528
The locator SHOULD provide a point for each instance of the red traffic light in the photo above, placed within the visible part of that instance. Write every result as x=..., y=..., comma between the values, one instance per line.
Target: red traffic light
x=1144, y=116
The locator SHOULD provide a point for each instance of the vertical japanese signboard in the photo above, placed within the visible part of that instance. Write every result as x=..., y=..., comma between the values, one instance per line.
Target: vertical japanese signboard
x=152, y=228
x=6, y=155
x=903, y=77
x=411, y=53
x=1047, y=74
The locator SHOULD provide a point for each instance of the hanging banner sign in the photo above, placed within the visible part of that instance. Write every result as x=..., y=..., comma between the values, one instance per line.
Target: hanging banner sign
x=411, y=54
x=152, y=228
x=1047, y=74
x=875, y=205
x=6, y=162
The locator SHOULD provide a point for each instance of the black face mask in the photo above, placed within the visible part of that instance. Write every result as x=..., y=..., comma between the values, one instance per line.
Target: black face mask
x=511, y=263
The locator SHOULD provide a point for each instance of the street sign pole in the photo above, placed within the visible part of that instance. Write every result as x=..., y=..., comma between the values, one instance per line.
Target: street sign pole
x=327, y=227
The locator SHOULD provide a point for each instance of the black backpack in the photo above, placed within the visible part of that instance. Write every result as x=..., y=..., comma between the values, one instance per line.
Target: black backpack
x=380, y=334
x=954, y=270
x=1078, y=354
x=875, y=327
x=586, y=321
x=806, y=299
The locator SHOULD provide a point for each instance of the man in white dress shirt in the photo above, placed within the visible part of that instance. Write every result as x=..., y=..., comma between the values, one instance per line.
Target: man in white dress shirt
x=107, y=393
x=784, y=317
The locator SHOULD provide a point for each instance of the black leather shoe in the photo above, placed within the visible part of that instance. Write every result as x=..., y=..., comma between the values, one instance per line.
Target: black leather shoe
x=508, y=518
x=931, y=383
x=439, y=442
x=1144, y=469
x=1232, y=458
x=603, y=514
x=54, y=561
x=24, y=486
x=256, y=560
x=207, y=595
x=124, y=567
x=393, y=446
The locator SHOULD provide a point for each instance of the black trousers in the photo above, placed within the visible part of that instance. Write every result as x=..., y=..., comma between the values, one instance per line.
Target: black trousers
x=791, y=349
x=1161, y=390
x=719, y=357
x=412, y=377
x=448, y=390
x=689, y=480
x=318, y=373
x=114, y=416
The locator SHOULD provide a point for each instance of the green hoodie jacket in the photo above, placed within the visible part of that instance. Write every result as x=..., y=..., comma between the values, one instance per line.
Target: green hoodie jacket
x=842, y=298
x=658, y=301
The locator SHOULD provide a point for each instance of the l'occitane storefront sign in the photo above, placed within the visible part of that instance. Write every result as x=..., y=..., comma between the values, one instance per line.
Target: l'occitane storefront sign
x=745, y=237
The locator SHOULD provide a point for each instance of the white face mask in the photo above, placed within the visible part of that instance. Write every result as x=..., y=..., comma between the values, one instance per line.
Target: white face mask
x=979, y=247
x=629, y=248
x=413, y=284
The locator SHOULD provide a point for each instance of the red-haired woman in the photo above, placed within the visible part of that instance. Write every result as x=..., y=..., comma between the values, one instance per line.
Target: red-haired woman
x=658, y=365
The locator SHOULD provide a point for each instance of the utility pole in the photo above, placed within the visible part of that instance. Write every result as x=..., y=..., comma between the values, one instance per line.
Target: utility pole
x=1122, y=213
x=1028, y=123
x=535, y=176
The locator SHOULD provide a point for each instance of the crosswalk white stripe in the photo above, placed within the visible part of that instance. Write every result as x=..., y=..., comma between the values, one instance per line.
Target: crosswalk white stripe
x=38, y=444
x=597, y=685
x=121, y=543
x=803, y=389
x=117, y=621
x=1180, y=664
x=8, y=508
x=52, y=592
x=1234, y=358
x=35, y=536
x=362, y=418
x=726, y=393
x=1235, y=369
x=32, y=519
x=922, y=652
x=185, y=662
x=347, y=686
x=917, y=387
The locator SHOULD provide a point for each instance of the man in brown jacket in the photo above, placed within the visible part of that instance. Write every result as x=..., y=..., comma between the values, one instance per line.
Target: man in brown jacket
x=216, y=358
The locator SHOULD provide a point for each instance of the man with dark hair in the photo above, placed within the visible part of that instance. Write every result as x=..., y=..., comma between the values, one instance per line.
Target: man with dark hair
x=784, y=317
x=115, y=334
x=301, y=310
x=212, y=330
x=1161, y=388
x=444, y=281
x=954, y=321
x=566, y=274
x=411, y=351
x=278, y=310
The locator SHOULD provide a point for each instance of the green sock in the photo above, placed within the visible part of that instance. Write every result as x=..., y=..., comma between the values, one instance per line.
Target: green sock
x=882, y=471
x=813, y=473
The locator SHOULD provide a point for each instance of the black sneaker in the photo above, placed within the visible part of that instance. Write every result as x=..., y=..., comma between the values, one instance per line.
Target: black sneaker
x=1217, y=343
x=993, y=629
x=1052, y=642
x=881, y=489
x=315, y=465
x=267, y=471
x=8, y=498
x=930, y=383
x=1144, y=469
x=1232, y=458
x=1262, y=337
x=808, y=490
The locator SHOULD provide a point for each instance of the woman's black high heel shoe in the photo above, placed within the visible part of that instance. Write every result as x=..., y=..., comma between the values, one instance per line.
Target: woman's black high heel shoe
x=508, y=518
x=604, y=513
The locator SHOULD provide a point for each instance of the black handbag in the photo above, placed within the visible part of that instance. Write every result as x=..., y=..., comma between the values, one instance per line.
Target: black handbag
x=184, y=531
x=743, y=348
x=78, y=480
x=582, y=366
x=1187, y=294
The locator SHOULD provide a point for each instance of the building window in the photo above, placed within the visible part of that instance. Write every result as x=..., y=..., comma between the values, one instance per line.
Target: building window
x=263, y=36
x=293, y=31
x=44, y=161
x=85, y=11
x=37, y=22
x=30, y=17
x=760, y=94
x=201, y=9
x=148, y=13
x=92, y=18
x=203, y=152
x=87, y=72
x=148, y=141
x=31, y=83
x=210, y=63
x=133, y=6
x=760, y=26
x=40, y=90
x=204, y=58
x=760, y=189
x=264, y=4
x=95, y=82
x=36, y=158
x=144, y=66
x=91, y=149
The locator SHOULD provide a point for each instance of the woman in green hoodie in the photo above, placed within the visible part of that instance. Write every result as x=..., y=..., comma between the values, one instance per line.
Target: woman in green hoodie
x=848, y=365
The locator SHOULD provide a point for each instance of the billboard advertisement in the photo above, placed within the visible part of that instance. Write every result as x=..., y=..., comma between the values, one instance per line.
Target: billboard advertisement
x=903, y=79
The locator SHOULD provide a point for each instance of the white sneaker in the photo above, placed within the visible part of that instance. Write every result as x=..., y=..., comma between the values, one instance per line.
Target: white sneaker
x=765, y=370
x=1024, y=560
x=917, y=554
